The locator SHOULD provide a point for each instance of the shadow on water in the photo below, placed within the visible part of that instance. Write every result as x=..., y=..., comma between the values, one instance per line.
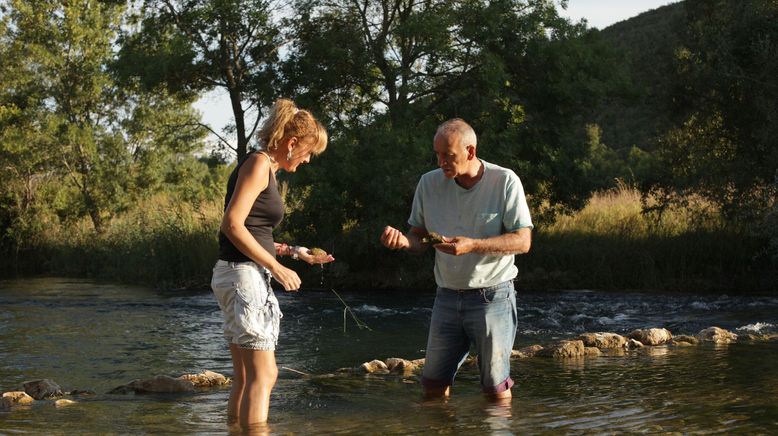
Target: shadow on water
x=97, y=336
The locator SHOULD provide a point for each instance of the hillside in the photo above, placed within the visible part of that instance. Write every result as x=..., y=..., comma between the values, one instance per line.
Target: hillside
x=646, y=44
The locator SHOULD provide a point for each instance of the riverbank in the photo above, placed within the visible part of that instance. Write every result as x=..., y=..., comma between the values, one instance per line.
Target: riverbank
x=611, y=244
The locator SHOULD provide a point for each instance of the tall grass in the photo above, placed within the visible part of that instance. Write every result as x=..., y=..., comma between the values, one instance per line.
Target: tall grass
x=613, y=244
x=161, y=242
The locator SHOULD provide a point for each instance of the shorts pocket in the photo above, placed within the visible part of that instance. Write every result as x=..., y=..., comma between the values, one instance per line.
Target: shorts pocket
x=254, y=319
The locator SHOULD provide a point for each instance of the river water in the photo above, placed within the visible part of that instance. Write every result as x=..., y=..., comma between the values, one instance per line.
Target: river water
x=97, y=336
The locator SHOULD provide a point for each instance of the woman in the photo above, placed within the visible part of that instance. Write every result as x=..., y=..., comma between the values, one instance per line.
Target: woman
x=247, y=256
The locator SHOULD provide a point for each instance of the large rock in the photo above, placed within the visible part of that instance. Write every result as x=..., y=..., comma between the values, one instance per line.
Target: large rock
x=43, y=389
x=18, y=397
x=523, y=353
x=592, y=352
x=603, y=340
x=158, y=384
x=651, y=336
x=374, y=366
x=206, y=379
x=716, y=335
x=563, y=349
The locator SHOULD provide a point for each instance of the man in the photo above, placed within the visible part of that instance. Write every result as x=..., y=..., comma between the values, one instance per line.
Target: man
x=480, y=210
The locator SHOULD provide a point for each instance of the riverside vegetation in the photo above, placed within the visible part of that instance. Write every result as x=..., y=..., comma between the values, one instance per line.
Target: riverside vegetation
x=612, y=243
x=108, y=171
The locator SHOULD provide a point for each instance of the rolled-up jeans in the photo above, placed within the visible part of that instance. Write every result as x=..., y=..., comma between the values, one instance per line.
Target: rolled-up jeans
x=251, y=313
x=485, y=318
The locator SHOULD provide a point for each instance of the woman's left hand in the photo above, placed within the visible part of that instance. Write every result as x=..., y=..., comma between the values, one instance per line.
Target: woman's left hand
x=312, y=258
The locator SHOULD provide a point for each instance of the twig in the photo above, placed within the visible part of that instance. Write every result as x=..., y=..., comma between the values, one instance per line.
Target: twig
x=295, y=371
x=347, y=308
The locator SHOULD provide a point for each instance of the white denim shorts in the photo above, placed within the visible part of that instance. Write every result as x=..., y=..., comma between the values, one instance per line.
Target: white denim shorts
x=252, y=316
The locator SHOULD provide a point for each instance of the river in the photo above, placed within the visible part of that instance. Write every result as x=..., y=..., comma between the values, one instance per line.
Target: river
x=97, y=336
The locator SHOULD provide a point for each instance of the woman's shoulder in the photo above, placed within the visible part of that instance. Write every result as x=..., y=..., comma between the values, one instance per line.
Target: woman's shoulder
x=255, y=165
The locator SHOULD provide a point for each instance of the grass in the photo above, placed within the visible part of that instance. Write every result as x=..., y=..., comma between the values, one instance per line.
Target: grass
x=613, y=244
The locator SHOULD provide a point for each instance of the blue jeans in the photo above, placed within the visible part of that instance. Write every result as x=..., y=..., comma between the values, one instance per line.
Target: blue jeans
x=483, y=317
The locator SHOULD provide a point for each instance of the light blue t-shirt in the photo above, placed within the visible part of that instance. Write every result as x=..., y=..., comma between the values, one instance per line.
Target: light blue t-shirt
x=494, y=206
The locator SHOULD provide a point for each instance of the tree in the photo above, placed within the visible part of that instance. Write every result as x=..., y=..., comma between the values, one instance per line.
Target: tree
x=67, y=119
x=386, y=73
x=724, y=144
x=192, y=46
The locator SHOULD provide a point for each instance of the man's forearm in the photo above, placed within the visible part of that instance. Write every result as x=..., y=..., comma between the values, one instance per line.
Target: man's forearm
x=517, y=242
x=414, y=243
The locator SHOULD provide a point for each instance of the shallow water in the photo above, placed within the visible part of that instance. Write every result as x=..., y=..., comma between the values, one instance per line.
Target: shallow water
x=96, y=336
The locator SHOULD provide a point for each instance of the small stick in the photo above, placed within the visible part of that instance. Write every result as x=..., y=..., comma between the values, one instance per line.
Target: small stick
x=359, y=322
x=295, y=371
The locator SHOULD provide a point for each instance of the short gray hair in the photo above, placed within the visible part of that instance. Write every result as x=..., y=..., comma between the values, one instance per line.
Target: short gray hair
x=458, y=126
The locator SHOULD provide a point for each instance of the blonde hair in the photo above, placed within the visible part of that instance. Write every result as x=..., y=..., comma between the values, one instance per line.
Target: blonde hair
x=286, y=121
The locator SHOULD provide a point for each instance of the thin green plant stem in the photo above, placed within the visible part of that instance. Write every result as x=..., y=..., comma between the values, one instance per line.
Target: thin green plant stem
x=347, y=308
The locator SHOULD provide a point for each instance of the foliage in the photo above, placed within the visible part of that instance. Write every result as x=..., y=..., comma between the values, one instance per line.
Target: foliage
x=103, y=170
x=74, y=143
x=725, y=143
x=195, y=46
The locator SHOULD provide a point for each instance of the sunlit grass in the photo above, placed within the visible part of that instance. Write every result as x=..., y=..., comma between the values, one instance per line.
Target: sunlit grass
x=613, y=243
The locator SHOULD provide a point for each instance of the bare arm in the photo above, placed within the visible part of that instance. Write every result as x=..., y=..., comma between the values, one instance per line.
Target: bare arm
x=517, y=242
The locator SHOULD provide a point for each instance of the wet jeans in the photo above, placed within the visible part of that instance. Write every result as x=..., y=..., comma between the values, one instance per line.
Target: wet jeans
x=485, y=318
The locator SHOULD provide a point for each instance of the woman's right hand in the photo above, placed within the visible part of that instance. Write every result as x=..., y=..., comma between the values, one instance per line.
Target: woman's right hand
x=286, y=277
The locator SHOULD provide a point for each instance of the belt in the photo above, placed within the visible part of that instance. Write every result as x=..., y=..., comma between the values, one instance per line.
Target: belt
x=488, y=288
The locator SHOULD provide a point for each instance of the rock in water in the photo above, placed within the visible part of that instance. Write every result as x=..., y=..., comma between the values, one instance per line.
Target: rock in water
x=18, y=397
x=399, y=365
x=684, y=341
x=564, y=349
x=716, y=335
x=526, y=352
x=158, y=384
x=651, y=336
x=603, y=340
x=633, y=344
x=374, y=366
x=43, y=389
x=206, y=379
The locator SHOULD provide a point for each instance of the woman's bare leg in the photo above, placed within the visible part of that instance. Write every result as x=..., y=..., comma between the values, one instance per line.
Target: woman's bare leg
x=261, y=373
x=238, y=384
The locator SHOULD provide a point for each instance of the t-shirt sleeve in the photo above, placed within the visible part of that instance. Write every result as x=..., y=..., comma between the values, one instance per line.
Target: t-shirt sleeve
x=516, y=214
x=417, y=210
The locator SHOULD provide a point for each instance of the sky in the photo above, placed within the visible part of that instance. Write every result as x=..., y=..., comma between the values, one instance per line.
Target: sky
x=216, y=110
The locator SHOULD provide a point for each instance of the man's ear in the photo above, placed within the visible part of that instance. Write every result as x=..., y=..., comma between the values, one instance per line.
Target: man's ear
x=470, y=152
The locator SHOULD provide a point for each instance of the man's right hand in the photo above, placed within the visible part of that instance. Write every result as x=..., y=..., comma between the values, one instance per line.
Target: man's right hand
x=394, y=239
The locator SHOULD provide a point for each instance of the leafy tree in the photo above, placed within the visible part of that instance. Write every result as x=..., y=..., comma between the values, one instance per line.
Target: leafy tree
x=725, y=141
x=192, y=46
x=386, y=73
x=67, y=119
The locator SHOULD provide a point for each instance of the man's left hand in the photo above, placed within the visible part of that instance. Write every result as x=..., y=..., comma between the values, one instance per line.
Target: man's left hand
x=456, y=246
